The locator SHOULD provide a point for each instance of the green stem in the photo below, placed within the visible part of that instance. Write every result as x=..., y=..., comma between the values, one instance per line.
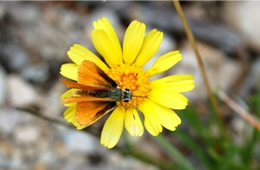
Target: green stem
x=202, y=68
x=174, y=153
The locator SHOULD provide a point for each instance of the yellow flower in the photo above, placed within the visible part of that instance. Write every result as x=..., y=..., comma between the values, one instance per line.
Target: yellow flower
x=155, y=99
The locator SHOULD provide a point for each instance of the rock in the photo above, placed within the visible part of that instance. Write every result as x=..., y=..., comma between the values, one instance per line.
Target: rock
x=53, y=28
x=252, y=80
x=79, y=142
x=118, y=162
x=10, y=119
x=217, y=65
x=228, y=72
x=2, y=86
x=14, y=57
x=2, y=11
x=169, y=21
x=244, y=16
x=242, y=130
x=20, y=93
x=26, y=134
x=51, y=104
x=36, y=73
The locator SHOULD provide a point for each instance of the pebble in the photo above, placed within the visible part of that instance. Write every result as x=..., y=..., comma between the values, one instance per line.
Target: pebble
x=10, y=119
x=2, y=11
x=51, y=104
x=14, y=57
x=117, y=162
x=20, y=93
x=49, y=31
x=244, y=16
x=242, y=130
x=216, y=63
x=251, y=80
x=79, y=142
x=36, y=73
x=26, y=134
x=2, y=86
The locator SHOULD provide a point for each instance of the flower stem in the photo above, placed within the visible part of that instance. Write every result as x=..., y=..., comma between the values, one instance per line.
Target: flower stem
x=201, y=66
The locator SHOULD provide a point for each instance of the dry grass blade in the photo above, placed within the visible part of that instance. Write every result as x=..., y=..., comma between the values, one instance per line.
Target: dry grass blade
x=201, y=66
x=238, y=109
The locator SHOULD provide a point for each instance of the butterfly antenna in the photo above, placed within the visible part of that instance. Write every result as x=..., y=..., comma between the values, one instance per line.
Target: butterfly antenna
x=140, y=96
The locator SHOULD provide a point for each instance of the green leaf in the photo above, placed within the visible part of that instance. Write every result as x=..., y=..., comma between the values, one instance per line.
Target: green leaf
x=194, y=148
x=190, y=115
x=176, y=156
x=192, y=118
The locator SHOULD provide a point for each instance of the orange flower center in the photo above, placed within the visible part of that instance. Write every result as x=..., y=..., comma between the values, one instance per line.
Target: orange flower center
x=133, y=78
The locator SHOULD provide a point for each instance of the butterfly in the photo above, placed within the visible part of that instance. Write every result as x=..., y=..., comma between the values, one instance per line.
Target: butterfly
x=96, y=93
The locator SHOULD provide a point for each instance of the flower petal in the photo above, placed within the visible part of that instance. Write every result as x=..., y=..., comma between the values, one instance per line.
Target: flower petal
x=79, y=53
x=70, y=71
x=66, y=94
x=169, y=99
x=105, y=25
x=133, y=41
x=152, y=121
x=107, y=47
x=177, y=83
x=113, y=128
x=69, y=115
x=164, y=62
x=133, y=123
x=150, y=46
x=168, y=118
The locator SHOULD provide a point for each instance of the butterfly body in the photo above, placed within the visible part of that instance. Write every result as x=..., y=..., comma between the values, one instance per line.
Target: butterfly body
x=116, y=94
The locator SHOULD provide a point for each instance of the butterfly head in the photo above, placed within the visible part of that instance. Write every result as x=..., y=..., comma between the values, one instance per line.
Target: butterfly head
x=127, y=95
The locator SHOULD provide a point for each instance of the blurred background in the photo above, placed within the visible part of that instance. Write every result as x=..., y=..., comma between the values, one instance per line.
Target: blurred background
x=34, y=39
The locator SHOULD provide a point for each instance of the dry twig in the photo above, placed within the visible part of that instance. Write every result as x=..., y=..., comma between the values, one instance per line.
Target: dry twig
x=201, y=66
x=238, y=109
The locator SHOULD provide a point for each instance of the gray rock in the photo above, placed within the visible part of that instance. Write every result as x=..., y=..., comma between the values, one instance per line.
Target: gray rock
x=244, y=16
x=51, y=104
x=169, y=21
x=36, y=73
x=20, y=93
x=10, y=119
x=2, y=11
x=26, y=134
x=48, y=32
x=2, y=86
x=79, y=142
x=252, y=80
x=242, y=130
x=221, y=71
x=118, y=162
x=14, y=57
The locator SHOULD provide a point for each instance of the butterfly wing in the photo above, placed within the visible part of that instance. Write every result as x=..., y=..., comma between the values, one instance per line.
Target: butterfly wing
x=73, y=99
x=73, y=84
x=91, y=75
x=78, y=97
x=88, y=113
x=89, y=109
x=90, y=78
